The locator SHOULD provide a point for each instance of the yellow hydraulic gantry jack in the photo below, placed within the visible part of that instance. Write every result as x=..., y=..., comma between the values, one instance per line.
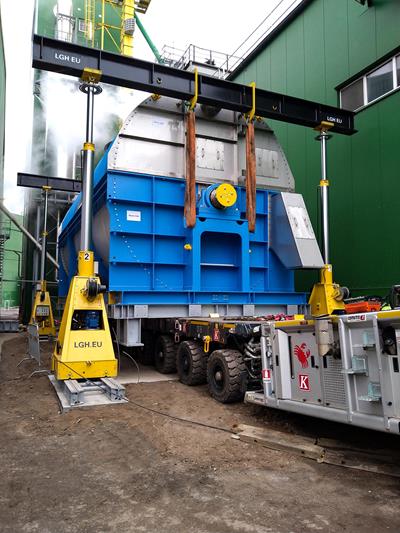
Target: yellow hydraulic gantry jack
x=42, y=313
x=84, y=347
x=326, y=297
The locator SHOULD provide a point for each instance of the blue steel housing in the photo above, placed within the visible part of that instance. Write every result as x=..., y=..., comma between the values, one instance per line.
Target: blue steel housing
x=154, y=259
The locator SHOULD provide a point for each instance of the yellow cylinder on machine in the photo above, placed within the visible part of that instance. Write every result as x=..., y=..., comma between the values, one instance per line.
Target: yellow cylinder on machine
x=223, y=196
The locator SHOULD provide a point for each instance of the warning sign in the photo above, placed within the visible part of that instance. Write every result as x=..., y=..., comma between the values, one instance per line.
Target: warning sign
x=266, y=375
x=304, y=382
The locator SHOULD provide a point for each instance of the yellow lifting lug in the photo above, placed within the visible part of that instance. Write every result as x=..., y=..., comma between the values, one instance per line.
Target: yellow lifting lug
x=46, y=188
x=155, y=97
x=193, y=101
x=251, y=114
x=324, y=126
x=91, y=75
x=207, y=340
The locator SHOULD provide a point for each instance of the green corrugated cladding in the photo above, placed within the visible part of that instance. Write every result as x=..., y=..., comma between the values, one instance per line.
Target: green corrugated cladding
x=46, y=21
x=2, y=109
x=331, y=41
x=12, y=267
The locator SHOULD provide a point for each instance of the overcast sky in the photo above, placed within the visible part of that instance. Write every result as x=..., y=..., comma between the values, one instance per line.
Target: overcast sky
x=220, y=25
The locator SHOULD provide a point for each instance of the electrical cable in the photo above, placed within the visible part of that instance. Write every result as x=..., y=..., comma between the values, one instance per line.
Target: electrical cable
x=275, y=23
x=81, y=376
x=259, y=26
x=180, y=419
x=117, y=343
x=155, y=411
x=264, y=34
x=137, y=366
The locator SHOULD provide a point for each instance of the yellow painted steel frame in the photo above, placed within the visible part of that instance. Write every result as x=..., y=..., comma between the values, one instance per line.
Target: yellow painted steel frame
x=104, y=27
x=90, y=20
x=251, y=114
x=326, y=297
x=193, y=101
x=128, y=12
x=45, y=324
x=84, y=353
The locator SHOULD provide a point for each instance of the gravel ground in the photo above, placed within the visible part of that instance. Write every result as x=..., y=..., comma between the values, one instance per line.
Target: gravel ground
x=124, y=469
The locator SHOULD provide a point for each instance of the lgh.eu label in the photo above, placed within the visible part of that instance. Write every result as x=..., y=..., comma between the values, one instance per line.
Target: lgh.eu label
x=66, y=58
x=88, y=344
x=335, y=120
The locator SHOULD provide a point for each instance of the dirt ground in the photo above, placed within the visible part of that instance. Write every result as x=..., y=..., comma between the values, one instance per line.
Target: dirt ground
x=126, y=469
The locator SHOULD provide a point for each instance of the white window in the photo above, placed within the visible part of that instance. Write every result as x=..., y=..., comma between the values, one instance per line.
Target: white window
x=380, y=81
x=352, y=97
x=81, y=25
x=372, y=86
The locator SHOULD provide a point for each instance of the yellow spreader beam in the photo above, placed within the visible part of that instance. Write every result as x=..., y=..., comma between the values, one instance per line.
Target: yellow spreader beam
x=84, y=347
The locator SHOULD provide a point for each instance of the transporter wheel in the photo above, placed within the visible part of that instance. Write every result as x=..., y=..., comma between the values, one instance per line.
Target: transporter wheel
x=147, y=355
x=191, y=363
x=226, y=372
x=165, y=355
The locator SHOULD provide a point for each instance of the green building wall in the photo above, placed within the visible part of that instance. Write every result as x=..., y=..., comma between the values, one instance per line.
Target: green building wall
x=325, y=45
x=2, y=109
x=12, y=267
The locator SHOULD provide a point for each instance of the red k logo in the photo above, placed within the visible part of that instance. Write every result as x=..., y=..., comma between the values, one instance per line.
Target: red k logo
x=302, y=353
x=304, y=382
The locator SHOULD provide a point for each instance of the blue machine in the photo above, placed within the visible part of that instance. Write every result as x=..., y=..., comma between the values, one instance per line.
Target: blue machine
x=152, y=264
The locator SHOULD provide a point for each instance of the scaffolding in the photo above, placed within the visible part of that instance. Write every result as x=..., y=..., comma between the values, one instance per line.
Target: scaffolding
x=5, y=231
x=125, y=11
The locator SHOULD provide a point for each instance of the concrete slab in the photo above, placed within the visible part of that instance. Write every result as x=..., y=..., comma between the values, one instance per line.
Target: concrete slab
x=146, y=374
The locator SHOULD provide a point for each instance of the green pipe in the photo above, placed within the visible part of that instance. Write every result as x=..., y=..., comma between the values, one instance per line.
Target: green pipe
x=153, y=47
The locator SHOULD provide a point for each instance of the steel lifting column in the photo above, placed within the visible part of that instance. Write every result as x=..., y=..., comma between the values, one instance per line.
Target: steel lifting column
x=326, y=297
x=88, y=167
x=42, y=313
x=44, y=237
x=84, y=347
x=324, y=195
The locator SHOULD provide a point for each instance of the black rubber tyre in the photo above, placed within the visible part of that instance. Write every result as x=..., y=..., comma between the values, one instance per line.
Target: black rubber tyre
x=226, y=374
x=147, y=355
x=191, y=363
x=165, y=355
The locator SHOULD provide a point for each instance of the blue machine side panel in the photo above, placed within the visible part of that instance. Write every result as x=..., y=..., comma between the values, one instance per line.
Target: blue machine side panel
x=154, y=258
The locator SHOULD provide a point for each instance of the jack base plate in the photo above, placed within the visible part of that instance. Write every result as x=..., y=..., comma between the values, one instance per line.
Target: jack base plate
x=73, y=393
